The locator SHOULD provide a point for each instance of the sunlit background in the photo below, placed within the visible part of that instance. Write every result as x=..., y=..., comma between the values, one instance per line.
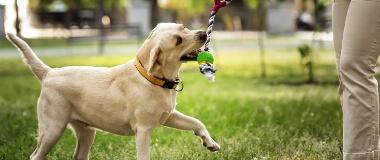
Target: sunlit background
x=123, y=20
x=275, y=16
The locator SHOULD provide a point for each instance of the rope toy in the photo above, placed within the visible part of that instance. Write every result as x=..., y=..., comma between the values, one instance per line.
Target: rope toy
x=205, y=58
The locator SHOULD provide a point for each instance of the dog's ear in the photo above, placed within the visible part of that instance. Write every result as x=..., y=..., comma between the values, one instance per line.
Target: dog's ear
x=153, y=58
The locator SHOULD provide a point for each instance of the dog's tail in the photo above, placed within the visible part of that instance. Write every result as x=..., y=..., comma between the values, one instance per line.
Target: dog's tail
x=39, y=68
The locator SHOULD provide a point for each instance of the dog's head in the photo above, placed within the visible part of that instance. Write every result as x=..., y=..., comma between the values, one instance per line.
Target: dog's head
x=169, y=45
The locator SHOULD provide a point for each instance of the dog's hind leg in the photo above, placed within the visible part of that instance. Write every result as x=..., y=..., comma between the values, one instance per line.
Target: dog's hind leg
x=52, y=121
x=48, y=136
x=85, y=137
x=180, y=121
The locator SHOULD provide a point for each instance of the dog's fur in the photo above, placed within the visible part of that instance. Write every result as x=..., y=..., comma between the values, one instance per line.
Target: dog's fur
x=118, y=99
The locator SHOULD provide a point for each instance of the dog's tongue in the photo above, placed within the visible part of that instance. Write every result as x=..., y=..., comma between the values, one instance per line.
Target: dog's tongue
x=195, y=53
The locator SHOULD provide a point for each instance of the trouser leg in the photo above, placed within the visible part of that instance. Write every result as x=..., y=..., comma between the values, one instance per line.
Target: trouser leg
x=359, y=94
x=340, y=8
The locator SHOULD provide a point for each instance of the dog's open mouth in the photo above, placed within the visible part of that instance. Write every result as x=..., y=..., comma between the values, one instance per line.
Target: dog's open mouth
x=192, y=56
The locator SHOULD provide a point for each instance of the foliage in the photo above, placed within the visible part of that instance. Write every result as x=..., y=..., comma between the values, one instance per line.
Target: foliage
x=195, y=7
x=253, y=3
x=91, y=4
x=188, y=7
x=307, y=61
x=325, y=2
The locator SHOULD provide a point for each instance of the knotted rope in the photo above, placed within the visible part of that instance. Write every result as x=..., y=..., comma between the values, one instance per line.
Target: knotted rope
x=218, y=5
x=207, y=68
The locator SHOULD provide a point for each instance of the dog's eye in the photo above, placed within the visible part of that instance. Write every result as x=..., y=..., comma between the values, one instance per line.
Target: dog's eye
x=179, y=40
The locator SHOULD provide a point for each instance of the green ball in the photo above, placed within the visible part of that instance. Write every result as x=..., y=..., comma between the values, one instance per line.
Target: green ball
x=205, y=56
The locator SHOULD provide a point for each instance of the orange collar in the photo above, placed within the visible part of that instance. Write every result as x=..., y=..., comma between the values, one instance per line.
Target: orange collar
x=164, y=83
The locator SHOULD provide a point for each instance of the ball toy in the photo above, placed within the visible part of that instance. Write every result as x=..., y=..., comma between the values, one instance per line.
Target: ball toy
x=205, y=57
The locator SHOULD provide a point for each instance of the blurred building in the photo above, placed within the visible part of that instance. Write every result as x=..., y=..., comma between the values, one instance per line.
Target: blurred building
x=139, y=13
x=281, y=17
x=276, y=16
x=78, y=14
x=50, y=14
x=24, y=16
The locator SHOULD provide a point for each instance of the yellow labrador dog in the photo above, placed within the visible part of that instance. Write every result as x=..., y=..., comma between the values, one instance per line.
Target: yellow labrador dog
x=128, y=99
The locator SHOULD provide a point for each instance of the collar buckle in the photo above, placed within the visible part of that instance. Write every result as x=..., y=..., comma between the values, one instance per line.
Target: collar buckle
x=180, y=88
x=171, y=84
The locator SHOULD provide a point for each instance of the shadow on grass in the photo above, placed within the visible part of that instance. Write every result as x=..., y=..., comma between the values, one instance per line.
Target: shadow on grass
x=300, y=82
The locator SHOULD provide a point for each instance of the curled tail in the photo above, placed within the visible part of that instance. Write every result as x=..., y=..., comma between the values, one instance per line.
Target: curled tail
x=39, y=68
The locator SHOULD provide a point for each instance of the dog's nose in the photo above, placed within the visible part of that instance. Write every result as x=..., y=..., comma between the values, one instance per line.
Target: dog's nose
x=202, y=35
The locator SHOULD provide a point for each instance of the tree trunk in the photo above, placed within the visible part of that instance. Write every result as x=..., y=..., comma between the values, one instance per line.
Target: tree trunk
x=313, y=43
x=311, y=70
x=260, y=42
x=100, y=14
x=17, y=21
x=155, y=14
x=261, y=13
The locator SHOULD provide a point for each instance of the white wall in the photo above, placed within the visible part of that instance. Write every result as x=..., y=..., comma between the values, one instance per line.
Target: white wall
x=281, y=18
x=138, y=12
x=25, y=17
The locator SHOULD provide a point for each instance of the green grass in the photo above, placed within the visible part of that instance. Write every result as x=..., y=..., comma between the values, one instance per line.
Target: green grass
x=250, y=117
x=59, y=42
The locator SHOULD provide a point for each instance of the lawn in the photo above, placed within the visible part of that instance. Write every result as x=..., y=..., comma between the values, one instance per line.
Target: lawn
x=251, y=117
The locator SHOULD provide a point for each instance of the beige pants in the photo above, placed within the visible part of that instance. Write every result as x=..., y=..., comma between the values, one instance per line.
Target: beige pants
x=356, y=27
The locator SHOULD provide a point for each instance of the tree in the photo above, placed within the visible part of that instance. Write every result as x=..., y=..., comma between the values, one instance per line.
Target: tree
x=91, y=4
x=184, y=9
x=307, y=62
x=154, y=15
x=17, y=21
x=102, y=34
x=261, y=8
x=306, y=51
x=188, y=7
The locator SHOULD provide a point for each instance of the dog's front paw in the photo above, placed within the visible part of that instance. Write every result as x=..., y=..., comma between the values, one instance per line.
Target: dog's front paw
x=213, y=147
x=208, y=142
